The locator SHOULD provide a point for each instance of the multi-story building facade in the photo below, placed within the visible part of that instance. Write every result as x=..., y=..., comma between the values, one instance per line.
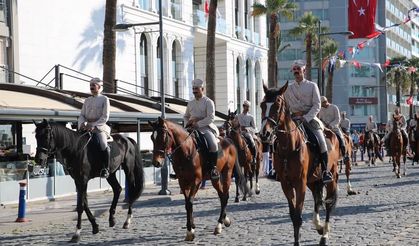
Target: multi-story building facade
x=76, y=41
x=358, y=91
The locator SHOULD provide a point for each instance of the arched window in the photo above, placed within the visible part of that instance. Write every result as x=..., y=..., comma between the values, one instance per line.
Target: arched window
x=248, y=80
x=144, y=85
x=238, y=85
x=175, y=70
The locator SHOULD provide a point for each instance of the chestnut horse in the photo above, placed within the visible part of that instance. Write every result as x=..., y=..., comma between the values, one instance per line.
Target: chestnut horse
x=180, y=146
x=397, y=147
x=348, y=162
x=372, y=143
x=297, y=166
x=233, y=131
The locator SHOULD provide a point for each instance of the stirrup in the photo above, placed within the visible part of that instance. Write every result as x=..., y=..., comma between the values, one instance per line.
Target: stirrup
x=104, y=173
x=327, y=177
x=215, y=175
x=172, y=176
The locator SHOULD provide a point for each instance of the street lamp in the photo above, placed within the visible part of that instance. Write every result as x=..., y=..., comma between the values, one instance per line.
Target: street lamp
x=123, y=27
x=319, y=74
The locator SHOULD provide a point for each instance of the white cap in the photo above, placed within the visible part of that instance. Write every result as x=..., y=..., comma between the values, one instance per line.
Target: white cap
x=96, y=81
x=298, y=63
x=246, y=103
x=197, y=83
x=323, y=99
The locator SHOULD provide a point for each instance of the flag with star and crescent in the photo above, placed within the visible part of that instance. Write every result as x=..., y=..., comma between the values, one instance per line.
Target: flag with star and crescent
x=361, y=15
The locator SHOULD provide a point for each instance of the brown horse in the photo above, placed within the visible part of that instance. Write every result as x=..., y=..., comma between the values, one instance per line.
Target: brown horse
x=245, y=156
x=297, y=164
x=170, y=139
x=414, y=141
x=397, y=147
x=348, y=162
x=373, y=147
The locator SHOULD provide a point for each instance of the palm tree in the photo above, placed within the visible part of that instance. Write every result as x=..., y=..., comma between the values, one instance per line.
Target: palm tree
x=109, y=47
x=210, y=70
x=413, y=62
x=307, y=26
x=397, y=77
x=329, y=49
x=273, y=9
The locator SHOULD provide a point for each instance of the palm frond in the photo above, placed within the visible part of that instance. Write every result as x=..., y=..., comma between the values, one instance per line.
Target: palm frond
x=259, y=9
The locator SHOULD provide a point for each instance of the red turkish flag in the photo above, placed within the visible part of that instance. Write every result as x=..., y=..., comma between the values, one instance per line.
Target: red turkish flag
x=361, y=14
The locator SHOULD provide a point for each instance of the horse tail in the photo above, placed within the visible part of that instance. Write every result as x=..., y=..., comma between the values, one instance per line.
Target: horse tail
x=241, y=179
x=135, y=189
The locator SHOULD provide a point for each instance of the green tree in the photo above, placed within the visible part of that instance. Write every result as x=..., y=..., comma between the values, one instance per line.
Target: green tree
x=397, y=77
x=413, y=62
x=210, y=69
x=274, y=9
x=308, y=27
x=329, y=49
x=109, y=47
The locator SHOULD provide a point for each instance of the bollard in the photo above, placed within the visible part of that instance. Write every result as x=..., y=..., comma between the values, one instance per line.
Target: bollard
x=22, y=203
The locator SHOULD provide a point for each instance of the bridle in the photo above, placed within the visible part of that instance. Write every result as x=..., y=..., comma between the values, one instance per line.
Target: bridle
x=51, y=149
x=281, y=112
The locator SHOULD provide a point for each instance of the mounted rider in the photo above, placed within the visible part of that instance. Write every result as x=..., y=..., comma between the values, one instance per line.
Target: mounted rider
x=370, y=129
x=248, y=127
x=329, y=115
x=303, y=98
x=200, y=115
x=93, y=117
x=345, y=123
x=397, y=116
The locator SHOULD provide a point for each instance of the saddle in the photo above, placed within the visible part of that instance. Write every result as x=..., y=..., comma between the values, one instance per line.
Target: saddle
x=94, y=145
x=201, y=144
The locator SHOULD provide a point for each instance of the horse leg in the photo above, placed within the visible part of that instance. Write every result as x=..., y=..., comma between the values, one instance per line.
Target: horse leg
x=295, y=208
x=90, y=216
x=237, y=181
x=257, y=188
x=116, y=188
x=246, y=177
x=317, y=192
x=331, y=199
x=348, y=181
x=189, y=198
x=81, y=192
x=404, y=163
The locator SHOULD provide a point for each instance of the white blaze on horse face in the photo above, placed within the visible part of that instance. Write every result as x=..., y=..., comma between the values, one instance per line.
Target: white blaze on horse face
x=264, y=120
x=154, y=135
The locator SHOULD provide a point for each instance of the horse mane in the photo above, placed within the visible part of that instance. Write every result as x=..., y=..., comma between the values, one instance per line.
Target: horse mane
x=67, y=138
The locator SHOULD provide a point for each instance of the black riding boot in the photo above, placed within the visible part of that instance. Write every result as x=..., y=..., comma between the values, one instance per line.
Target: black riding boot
x=326, y=174
x=212, y=160
x=104, y=173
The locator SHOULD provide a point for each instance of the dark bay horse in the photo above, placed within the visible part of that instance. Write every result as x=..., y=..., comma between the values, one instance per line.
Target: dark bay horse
x=171, y=139
x=373, y=147
x=82, y=159
x=296, y=164
x=397, y=147
x=245, y=156
x=348, y=162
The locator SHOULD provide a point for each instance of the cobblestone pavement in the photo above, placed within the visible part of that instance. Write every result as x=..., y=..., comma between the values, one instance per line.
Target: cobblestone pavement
x=383, y=213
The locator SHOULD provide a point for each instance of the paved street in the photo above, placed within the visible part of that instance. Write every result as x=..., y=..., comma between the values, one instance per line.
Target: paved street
x=383, y=213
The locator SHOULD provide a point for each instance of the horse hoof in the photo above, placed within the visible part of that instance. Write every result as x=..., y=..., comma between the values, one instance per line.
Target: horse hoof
x=126, y=225
x=111, y=223
x=236, y=200
x=351, y=192
x=296, y=244
x=190, y=236
x=320, y=231
x=323, y=241
x=75, y=239
x=244, y=199
x=95, y=229
x=398, y=176
x=404, y=174
x=227, y=221
x=257, y=192
x=217, y=229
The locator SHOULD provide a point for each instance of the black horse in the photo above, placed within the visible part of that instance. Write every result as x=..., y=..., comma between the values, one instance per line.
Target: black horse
x=81, y=156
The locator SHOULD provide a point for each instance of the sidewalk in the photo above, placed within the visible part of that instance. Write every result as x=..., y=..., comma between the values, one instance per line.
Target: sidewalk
x=46, y=212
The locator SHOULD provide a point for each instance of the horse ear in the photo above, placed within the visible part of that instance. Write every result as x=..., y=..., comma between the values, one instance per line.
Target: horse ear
x=235, y=112
x=228, y=112
x=36, y=124
x=265, y=88
x=283, y=89
x=160, y=120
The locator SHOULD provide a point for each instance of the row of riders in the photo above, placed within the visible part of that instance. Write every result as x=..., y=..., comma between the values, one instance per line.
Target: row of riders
x=295, y=119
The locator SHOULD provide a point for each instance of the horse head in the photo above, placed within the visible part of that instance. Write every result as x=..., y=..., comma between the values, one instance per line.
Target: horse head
x=272, y=106
x=161, y=141
x=228, y=124
x=44, y=142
